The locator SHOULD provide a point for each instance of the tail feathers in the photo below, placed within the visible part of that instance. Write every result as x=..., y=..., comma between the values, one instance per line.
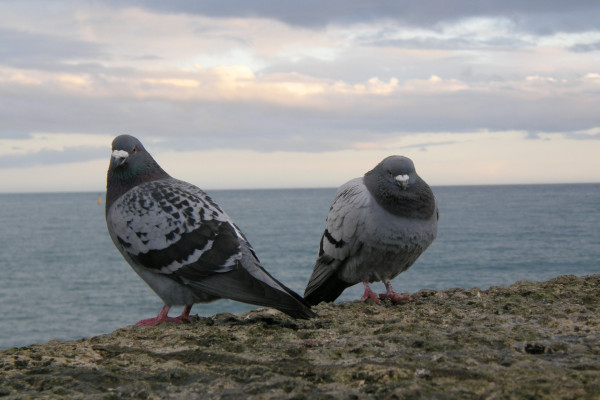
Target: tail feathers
x=328, y=290
x=324, y=284
x=240, y=285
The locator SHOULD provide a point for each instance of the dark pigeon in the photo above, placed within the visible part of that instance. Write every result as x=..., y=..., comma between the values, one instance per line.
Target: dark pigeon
x=377, y=227
x=180, y=242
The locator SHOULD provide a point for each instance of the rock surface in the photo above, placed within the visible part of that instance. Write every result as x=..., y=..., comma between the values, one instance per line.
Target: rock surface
x=530, y=340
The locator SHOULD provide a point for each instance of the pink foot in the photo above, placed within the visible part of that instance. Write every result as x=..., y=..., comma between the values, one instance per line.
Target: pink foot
x=161, y=317
x=393, y=296
x=185, y=315
x=369, y=294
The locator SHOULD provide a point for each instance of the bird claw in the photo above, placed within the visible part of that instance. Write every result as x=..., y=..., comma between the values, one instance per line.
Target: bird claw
x=369, y=294
x=187, y=319
x=394, y=297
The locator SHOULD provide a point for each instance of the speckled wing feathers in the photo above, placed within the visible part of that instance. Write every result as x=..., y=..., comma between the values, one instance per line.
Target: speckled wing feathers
x=171, y=226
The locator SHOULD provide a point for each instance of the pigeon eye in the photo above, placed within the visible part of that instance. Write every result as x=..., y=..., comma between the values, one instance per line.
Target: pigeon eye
x=390, y=174
x=134, y=150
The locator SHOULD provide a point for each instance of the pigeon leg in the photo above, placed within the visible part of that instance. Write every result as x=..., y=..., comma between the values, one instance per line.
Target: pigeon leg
x=369, y=294
x=161, y=317
x=185, y=314
x=393, y=296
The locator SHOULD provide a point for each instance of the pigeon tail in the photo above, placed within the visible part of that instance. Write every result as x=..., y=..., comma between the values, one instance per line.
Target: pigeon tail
x=328, y=290
x=240, y=285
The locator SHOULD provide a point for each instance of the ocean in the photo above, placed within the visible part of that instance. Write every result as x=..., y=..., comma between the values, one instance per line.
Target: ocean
x=62, y=278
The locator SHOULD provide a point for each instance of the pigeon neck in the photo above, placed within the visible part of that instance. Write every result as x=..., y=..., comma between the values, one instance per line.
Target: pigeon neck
x=417, y=201
x=120, y=182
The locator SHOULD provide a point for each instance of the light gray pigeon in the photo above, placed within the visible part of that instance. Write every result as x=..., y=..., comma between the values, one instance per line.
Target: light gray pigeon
x=377, y=227
x=180, y=242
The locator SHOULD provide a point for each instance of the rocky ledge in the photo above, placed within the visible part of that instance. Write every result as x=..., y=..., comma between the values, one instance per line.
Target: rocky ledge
x=530, y=340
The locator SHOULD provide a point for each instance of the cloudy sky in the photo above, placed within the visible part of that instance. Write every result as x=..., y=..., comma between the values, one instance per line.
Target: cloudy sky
x=243, y=94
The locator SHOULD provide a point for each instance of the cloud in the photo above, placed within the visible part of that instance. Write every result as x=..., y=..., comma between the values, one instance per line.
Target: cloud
x=279, y=77
x=472, y=34
x=536, y=16
x=232, y=107
x=585, y=47
x=69, y=155
x=451, y=158
x=48, y=149
x=34, y=50
x=588, y=134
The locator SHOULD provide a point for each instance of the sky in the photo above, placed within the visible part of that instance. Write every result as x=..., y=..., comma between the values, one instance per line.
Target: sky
x=275, y=94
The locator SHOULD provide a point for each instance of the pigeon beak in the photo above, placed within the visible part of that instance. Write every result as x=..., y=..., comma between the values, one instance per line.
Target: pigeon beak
x=118, y=157
x=402, y=181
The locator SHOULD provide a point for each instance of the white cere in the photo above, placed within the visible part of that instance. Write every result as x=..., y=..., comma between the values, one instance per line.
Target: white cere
x=402, y=178
x=120, y=154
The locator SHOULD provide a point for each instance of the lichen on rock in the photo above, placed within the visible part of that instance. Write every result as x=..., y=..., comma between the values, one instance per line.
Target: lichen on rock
x=528, y=340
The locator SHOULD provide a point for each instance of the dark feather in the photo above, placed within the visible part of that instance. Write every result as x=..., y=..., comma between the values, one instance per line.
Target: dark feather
x=327, y=288
x=324, y=284
x=211, y=261
x=240, y=285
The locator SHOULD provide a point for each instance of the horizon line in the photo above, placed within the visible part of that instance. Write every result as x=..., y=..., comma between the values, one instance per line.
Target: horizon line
x=103, y=191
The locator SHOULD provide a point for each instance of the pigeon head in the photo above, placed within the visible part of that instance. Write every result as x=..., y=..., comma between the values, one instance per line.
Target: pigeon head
x=398, y=170
x=127, y=153
x=395, y=185
x=130, y=165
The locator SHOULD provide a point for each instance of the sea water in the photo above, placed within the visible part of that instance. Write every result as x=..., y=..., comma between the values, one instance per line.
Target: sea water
x=62, y=278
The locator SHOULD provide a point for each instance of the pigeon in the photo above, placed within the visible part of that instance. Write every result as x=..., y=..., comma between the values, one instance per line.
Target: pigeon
x=377, y=227
x=181, y=243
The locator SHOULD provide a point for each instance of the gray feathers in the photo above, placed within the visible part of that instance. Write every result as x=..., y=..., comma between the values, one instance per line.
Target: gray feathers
x=168, y=224
x=417, y=202
x=180, y=241
x=377, y=227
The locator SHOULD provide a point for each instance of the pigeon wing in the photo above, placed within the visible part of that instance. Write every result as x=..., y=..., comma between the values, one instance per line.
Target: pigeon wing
x=172, y=227
x=340, y=241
